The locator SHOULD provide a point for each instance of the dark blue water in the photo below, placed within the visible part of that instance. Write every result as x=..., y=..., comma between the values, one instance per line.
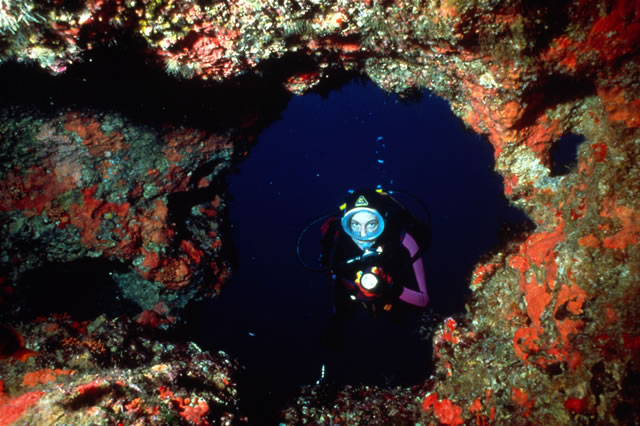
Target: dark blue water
x=564, y=154
x=273, y=311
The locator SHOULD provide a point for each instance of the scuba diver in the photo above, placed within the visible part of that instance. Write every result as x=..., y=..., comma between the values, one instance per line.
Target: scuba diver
x=373, y=253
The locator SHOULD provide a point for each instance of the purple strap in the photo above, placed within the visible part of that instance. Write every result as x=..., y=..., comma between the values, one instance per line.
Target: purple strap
x=412, y=297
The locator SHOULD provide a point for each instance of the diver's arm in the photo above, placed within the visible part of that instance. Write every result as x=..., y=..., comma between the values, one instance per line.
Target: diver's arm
x=412, y=297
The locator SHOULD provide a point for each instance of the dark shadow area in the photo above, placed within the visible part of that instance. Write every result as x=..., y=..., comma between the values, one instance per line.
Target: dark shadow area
x=550, y=92
x=125, y=79
x=83, y=288
x=512, y=234
x=179, y=204
x=548, y=19
x=564, y=154
x=273, y=313
x=10, y=342
x=92, y=397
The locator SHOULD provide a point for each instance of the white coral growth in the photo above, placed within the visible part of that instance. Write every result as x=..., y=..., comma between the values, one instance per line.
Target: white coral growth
x=14, y=14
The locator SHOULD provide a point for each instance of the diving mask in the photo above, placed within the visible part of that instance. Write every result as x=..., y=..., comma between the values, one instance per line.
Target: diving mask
x=363, y=224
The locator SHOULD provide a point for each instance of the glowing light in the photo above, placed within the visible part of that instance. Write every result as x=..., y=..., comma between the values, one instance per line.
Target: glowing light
x=369, y=281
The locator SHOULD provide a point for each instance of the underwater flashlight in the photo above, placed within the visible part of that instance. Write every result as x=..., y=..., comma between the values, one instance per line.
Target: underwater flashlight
x=369, y=281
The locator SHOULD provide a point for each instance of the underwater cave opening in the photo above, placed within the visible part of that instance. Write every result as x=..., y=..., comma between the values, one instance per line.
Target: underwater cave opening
x=564, y=154
x=272, y=314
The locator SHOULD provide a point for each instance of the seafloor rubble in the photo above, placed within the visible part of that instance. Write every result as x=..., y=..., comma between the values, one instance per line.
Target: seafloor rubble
x=111, y=371
x=551, y=331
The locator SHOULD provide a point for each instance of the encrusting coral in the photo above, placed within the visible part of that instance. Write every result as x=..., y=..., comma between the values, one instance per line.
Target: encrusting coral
x=549, y=335
x=115, y=371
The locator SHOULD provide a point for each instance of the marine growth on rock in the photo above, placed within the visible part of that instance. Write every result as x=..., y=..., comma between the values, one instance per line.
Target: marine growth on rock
x=550, y=334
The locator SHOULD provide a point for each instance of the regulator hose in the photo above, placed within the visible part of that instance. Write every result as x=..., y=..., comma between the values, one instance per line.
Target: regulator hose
x=306, y=228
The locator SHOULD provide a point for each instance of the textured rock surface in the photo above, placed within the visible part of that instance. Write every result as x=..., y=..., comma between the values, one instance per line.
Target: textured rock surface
x=550, y=335
x=113, y=372
x=87, y=185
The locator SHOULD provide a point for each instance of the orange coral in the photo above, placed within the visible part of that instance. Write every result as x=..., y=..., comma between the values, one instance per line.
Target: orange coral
x=576, y=405
x=43, y=376
x=511, y=112
x=33, y=190
x=538, y=250
x=476, y=408
x=524, y=341
x=521, y=398
x=537, y=299
x=567, y=327
x=194, y=253
x=562, y=51
x=89, y=215
x=195, y=414
x=94, y=345
x=175, y=273
x=445, y=410
x=619, y=108
x=482, y=272
x=509, y=183
x=154, y=228
x=11, y=409
x=629, y=220
x=539, y=247
x=539, y=136
x=589, y=241
x=611, y=37
x=134, y=405
x=574, y=296
x=449, y=332
x=89, y=130
x=623, y=21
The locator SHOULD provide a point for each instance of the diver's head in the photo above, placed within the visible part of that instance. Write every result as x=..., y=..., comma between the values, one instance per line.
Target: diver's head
x=363, y=220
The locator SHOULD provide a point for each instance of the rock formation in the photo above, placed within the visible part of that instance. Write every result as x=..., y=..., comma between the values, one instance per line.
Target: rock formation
x=550, y=334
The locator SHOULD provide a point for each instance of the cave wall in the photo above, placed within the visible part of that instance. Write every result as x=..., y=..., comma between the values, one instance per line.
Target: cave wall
x=550, y=334
x=98, y=186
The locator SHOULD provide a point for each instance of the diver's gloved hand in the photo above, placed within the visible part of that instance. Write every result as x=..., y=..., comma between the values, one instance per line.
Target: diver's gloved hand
x=392, y=290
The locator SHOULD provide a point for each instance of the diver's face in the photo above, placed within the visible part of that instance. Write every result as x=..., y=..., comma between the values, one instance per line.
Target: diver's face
x=364, y=223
